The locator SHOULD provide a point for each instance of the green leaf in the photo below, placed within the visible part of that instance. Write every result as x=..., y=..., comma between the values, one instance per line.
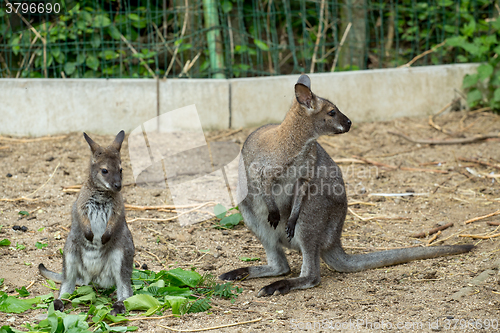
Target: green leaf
x=261, y=45
x=114, y=32
x=140, y=302
x=23, y=212
x=6, y=329
x=5, y=242
x=10, y=304
x=51, y=285
x=473, y=97
x=40, y=246
x=101, y=21
x=469, y=28
x=23, y=292
x=95, y=41
x=227, y=6
x=179, y=277
x=175, y=302
x=249, y=259
x=496, y=95
x=1, y=281
x=173, y=291
x=231, y=220
x=134, y=17
x=20, y=246
x=92, y=62
x=220, y=211
x=484, y=71
x=470, y=80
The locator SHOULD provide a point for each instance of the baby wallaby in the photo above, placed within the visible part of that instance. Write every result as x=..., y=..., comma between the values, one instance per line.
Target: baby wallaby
x=99, y=247
x=287, y=174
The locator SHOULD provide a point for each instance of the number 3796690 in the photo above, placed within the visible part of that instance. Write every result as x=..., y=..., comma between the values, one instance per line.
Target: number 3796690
x=33, y=8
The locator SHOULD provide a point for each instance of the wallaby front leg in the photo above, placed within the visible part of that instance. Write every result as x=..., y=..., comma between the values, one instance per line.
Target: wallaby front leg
x=83, y=220
x=274, y=213
x=299, y=192
x=113, y=223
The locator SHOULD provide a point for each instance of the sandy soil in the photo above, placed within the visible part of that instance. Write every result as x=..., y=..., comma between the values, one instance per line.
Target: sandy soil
x=416, y=293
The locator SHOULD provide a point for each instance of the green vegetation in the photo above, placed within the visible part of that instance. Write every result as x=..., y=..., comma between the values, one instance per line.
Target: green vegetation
x=178, y=290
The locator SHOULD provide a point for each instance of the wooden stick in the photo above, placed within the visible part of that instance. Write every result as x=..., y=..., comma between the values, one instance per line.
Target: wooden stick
x=482, y=217
x=412, y=61
x=46, y=138
x=433, y=238
x=493, y=223
x=318, y=36
x=142, y=318
x=171, y=218
x=166, y=207
x=33, y=193
x=223, y=135
x=473, y=160
x=344, y=36
x=4, y=147
x=184, y=25
x=432, y=231
x=135, y=52
x=447, y=142
x=210, y=328
x=479, y=236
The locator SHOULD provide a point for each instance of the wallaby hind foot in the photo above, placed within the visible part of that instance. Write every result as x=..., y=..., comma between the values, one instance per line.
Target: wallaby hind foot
x=311, y=218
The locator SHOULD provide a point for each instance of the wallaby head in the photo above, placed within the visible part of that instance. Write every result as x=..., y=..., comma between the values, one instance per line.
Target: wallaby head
x=324, y=116
x=105, y=164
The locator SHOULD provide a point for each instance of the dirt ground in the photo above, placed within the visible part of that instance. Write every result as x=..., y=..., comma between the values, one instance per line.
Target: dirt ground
x=448, y=189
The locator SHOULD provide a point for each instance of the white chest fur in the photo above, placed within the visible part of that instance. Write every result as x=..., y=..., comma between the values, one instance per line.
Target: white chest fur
x=98, y=214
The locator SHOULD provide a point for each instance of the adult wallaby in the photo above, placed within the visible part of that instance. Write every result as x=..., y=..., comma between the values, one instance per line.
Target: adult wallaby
x=287, y=156
x=99, y=247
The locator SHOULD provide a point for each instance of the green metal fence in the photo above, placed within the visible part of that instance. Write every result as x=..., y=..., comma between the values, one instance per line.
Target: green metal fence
x=229, y=38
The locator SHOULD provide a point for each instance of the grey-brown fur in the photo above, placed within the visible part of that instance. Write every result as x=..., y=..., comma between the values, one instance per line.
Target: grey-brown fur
x=99, y=247
x=288, y=156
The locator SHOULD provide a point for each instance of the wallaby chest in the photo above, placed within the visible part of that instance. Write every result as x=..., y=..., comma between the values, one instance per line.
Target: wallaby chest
x=98, y=213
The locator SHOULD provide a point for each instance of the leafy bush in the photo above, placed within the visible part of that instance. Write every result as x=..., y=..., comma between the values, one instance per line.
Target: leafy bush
x=479, y=40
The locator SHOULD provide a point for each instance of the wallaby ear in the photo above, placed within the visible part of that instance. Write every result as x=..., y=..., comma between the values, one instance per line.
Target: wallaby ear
x=305, y=80
x=304, y=95
x=117, y=143
x=92, y=144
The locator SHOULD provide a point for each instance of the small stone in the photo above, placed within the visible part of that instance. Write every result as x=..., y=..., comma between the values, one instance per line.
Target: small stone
x=136, y=265
x=208, y=267
x=225, y=233
x=218, y=247
x=16, y=227
x=24, y=228
x=50, y=159
x=276, y=293
x=9, y=175
x=144, y=266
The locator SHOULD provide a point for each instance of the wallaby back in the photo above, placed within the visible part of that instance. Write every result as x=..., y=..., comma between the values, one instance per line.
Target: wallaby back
x=310, y=217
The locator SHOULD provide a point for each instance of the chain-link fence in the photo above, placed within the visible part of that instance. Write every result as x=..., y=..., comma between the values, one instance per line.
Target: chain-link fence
x=228, y=38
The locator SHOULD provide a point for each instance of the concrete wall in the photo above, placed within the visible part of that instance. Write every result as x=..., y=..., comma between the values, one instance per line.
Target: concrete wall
x=37, y=107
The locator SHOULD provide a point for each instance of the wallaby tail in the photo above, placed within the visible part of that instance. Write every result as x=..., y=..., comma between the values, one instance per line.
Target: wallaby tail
x=48, y=274
x=343, y=262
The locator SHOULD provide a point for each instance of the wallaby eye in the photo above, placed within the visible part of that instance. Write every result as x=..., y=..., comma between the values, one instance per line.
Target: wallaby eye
x=104, y=171
x=331, y=113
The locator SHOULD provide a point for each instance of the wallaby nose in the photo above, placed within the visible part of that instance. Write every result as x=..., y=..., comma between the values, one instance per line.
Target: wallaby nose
x=117, y=186
x=349, y=122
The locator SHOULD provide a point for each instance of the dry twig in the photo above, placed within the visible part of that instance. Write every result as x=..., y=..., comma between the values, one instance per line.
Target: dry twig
x=432, y=231
x=223, y=135
x=211, y=328
x=433, y=238
x=482, y=217
x=344, y=36
x=33, y=193
x=479, y=236
x=412, y=61
x=473, y=139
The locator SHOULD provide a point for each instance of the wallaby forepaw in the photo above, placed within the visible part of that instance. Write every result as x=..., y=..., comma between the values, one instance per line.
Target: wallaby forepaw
x=276, y=288
x=118, y=307
x=274, y=218
x=58, y=305
x=237, y=274
x=89, y=235
x=105, y=237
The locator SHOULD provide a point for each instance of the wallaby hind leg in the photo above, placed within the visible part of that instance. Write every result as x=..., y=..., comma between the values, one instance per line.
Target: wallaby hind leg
x=309, y=274
x=70, y=274
x=276, y=259
x=122, y=274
